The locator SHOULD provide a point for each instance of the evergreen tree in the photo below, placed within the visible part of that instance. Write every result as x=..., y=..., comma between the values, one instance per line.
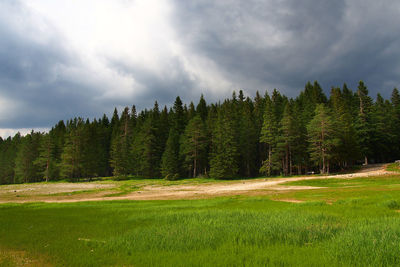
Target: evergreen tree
x=382, y=138
x=286, y=139
x=223, y=162
x=191, y=111
x=259, y=108
x=171, y=161
x=170, y=167
x=178, y=119
x=71, y=158
x=268, y=135
x=103, y=134
x=395, y=122
x=299, y=155
x=194, y=145
x=28, y=151
x=201, y=108
x=363, y=125
x=164, y=127
x=8, y=155
x=57, y=134
x=46, y=161
x=248, y=139
x=146, y=147
x=341, y=104
x=120, y=145
x=322, y=138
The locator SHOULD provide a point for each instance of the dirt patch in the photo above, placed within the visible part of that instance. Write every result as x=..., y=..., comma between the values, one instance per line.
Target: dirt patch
x=54, y=188
x=64, y=192
x=290, y=200
x=10, y=257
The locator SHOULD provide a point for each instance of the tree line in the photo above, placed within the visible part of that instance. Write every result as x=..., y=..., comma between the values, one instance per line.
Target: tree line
x=240, y=137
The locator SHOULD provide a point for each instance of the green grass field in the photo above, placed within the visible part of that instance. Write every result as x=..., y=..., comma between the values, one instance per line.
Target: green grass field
x=350, y=222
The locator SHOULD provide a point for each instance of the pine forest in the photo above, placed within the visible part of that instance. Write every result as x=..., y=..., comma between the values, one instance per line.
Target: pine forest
x=269, y=134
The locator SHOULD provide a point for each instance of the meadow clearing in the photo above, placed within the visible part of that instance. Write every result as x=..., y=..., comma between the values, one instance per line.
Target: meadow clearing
x=348, y=220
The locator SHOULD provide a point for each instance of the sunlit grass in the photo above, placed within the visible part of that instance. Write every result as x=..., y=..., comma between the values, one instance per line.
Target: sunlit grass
x=360, y=227
x=350, y=182
x=394, y=167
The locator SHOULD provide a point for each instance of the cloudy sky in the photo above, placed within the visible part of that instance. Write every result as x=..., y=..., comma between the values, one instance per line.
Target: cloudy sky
x=65, y=58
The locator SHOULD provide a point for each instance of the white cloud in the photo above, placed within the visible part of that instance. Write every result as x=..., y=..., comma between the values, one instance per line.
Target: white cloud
x=5, y=133
x=139, y=33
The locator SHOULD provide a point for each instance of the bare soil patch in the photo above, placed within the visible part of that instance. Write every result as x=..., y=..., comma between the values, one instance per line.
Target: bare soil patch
x=66, y=192
x=289, y=200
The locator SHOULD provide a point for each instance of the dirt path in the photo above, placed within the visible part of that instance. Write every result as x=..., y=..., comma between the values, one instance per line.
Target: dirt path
x=159, y=192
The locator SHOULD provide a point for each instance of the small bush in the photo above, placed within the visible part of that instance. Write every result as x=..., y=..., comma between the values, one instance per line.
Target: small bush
x=120, y=178
x=393, y=205
x=171, y=177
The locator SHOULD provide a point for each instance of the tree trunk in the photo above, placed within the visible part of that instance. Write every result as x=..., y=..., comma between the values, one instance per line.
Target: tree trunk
x=290, y=161
x=194, y=168
x=47, y=171
x=269, y=160
x=365, y=160
x=327, y=167
x=248, y=168
x=287, y=161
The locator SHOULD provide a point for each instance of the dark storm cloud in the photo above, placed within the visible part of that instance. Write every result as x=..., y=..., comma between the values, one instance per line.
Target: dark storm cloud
x=162, y=88
x=253, y=45
x=31, y=78
x=285, y=43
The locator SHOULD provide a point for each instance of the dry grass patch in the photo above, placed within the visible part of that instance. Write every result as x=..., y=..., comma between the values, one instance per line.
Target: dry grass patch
x=9, y=257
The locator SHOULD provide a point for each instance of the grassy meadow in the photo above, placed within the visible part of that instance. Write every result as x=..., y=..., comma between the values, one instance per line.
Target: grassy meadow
x=349, y=222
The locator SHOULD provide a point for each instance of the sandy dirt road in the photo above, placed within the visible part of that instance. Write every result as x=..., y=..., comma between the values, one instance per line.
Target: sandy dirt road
x=58, y=192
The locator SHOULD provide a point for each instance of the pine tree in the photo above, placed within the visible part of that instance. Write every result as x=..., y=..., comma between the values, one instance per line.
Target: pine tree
x=28, y=151
x=103, y=134
x=171, y=161
x=322, y=138
x=191, y=111
x=395, y=122
x=259, y=108
x=46, y=161
x=170, y=167
x=194, y=145
x=201, y=108
x=224, y=155
x=146, y=144
x=120, y=145
x=341, y=104
x=8, y=155
x=363, y=124
x=248, y=139
x=71, y=158
x=299, y=154
x=268, y=135
x=382, y=138
x=164, y=127
x=178, y=119
x=286, y=139
x=57, y=133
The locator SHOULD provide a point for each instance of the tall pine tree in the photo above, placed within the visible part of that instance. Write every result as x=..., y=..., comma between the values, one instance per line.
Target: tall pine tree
x=322, y=138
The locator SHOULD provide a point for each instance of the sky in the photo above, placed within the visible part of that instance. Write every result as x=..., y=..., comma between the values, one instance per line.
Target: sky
x=66, y=58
